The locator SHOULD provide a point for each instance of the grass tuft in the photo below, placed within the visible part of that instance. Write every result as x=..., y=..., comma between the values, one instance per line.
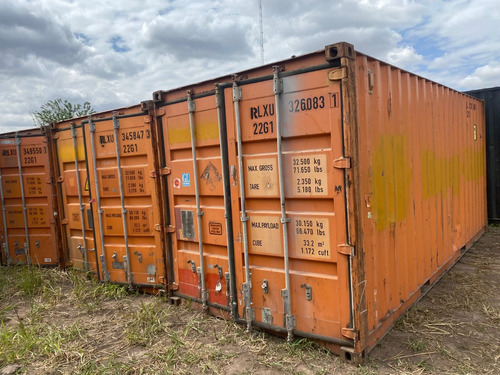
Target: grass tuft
x=146, y=323
x=30, y=281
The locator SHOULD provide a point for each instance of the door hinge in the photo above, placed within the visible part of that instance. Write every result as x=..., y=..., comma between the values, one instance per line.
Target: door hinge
x=346, y=249
x=60, y=179
x=171, y=229
x=337, y=74
x=160, y=112
x=147, y=119
x=349, y=333
x=342, y=163
x=165, y=171
x=152, y=174
x=173, y=287
x=64, y=221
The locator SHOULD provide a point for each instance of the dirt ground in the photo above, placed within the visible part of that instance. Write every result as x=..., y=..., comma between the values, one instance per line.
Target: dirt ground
x=54, y=322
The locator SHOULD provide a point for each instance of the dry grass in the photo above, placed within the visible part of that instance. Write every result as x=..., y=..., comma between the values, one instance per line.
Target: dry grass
x=455, y=328
x=61, y=322
x=53, y=321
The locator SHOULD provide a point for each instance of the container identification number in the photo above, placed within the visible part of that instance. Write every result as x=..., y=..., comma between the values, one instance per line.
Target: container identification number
x=30, y=152
x=306, y=104
x=260, y=112
x=34, y=150
x=11, y=152
x=133, y=135
x=263, y=127
x=130, y=148
x=469, y=106
x=30, y=160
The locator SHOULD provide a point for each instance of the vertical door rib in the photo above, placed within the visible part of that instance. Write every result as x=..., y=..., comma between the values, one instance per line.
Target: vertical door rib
x=285, y=293
x=227, y=199
x=25, y=209
x=247, y=285
x=98, y=199
x=80, y=201
x=199, y=212
x=5, y=244
x=116, y=126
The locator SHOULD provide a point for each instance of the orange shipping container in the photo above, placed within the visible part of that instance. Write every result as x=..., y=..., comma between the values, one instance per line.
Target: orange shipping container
x=76, y=218
x=200, y=256
x=28, y=229
x=108, y=184
x=332, y=187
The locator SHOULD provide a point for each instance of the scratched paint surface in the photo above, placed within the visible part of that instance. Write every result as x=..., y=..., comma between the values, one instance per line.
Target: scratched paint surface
x=37, y=183
x=314, y=201
x=391, y=161
x=73, y=240
x=179, y=188
x=423, y=198
x=107, y=255
x=131, y=235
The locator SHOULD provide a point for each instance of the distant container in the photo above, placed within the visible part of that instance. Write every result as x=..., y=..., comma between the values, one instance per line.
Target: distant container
x=319, y=197
x=28, y=229
x=111, y=214
x=491, y=97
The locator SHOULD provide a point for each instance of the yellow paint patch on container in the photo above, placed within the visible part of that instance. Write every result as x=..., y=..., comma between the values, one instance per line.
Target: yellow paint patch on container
x=66, y=152
x=203, y=132
x=391, y=180
x=467, y=166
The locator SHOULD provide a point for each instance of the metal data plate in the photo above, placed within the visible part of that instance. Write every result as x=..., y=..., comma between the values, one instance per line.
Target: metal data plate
x=187, y=219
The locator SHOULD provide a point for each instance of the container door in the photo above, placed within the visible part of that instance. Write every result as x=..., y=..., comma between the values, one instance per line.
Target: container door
x=77, y=222
x=291, y=217
x=28, y=227
x=194, y=187
x=125, y=205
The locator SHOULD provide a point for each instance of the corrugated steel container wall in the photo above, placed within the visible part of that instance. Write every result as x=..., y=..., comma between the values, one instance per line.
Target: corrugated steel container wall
x=201, y=272
x=118, y=186
x=420, y=186
x=491, y=97
x=74, y=196
x=28, y=229
x=352, y=186
x=291, y=200
x=198, y=233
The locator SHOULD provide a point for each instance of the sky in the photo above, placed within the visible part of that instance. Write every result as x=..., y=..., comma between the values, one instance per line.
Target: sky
x=117, y=53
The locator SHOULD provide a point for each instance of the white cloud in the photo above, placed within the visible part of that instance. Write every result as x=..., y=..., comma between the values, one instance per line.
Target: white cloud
x=484, y=76
x=199, y=34
x=24, y=33
x=117, y=54
x=405, y=57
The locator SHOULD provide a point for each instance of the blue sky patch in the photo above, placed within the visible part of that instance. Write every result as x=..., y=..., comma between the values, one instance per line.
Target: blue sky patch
x=83, y=38
x=119, y=44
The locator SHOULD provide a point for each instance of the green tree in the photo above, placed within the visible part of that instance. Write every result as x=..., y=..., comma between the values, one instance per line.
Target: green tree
x=59, y=110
